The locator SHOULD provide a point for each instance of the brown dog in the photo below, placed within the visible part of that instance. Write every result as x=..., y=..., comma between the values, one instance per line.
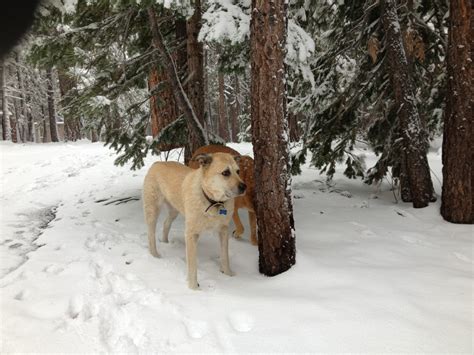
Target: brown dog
x=245, y=201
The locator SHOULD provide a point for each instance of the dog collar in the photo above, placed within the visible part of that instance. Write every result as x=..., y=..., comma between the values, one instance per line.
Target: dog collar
x=213, y=203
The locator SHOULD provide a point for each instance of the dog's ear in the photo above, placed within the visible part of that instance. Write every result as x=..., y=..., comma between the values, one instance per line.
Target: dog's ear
x=237, y=158
x=203, y=159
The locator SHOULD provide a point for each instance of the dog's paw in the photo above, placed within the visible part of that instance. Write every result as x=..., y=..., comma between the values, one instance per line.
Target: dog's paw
x=237, y=235
x=228, y=272
x=193, y=286
x=155, y=253
x=254, y=241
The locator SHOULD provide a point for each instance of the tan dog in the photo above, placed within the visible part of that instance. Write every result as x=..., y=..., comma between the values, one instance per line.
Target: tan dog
x=245, y=201
x=205, y=197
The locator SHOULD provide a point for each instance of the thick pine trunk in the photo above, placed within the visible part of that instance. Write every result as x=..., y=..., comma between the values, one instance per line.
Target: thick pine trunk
x=6, y=127
x=223, y=124
x=197, y=134
x=51, y=106
x=457, y=202
x=413, y=143
x=163, y=107
x=276, y=239
x=195, y=80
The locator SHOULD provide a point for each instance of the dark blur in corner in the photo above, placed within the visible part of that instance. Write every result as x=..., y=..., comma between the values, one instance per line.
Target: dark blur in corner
x=16, y=16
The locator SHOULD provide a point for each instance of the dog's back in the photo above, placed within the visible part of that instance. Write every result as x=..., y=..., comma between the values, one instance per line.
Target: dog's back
x=169, y=177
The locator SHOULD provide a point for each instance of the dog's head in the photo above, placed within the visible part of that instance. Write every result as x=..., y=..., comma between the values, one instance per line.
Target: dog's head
x=221, y=178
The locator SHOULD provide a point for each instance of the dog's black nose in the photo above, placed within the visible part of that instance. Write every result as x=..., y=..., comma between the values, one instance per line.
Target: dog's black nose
x=242, y=187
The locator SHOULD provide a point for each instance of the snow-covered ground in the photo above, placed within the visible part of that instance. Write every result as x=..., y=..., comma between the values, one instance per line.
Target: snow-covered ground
x=371, y=275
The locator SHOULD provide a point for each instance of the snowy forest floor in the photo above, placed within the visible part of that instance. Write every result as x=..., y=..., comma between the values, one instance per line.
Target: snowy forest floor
x=76, y=275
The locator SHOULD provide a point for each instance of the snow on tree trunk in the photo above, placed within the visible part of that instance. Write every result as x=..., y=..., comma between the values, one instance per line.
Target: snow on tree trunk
x=457, y=202
x=223, y=124
x=51, y=106
x=409, y=120
x=276, y=238
x=6, y=128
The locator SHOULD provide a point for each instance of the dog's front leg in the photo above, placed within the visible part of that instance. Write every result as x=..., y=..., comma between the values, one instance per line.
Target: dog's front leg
x=224, y=238
x=191, y=258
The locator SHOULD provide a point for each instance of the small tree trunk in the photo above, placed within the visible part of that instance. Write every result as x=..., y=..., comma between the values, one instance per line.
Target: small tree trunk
x=294, y=130
x=51, y=106
x=6, y=127
x=46, y=129
x=223, y=124
x=457, y=202
x=235, y=110
x=276, y=238
x=409, y=120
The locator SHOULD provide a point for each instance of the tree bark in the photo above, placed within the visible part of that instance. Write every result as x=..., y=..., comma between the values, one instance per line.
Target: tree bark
x=276, y=238
x=197, y=134
x=409, y=120
x=22, y=116
x=72, y=125
x=6, y=127
x=294, y=130
x=51, y=106
x=163, y=107
x=195, y=80
x=223, y=123
x=457, y=201
x=235, y=112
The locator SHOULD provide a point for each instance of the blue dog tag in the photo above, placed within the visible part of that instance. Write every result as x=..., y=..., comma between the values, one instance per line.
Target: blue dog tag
x=223, y=211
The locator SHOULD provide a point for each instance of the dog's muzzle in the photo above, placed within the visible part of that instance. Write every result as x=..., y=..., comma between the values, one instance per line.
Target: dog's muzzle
x=242, y=188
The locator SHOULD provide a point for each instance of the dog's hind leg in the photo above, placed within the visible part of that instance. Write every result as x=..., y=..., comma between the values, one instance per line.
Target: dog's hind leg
x=172, y=214
x=239, y=228
x=152, y=201
x=224, y=238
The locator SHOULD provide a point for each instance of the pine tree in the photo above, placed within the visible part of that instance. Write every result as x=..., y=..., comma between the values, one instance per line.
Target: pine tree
x=276, y=238
x=457, y=203
x=413, y=147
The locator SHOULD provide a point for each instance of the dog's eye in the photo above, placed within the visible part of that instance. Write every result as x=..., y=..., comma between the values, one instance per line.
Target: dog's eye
x=226, y=172
x=238, y=172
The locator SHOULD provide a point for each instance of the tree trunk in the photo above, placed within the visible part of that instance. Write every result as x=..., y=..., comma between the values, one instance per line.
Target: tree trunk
x=197, y=134
x=223, y=124
x=276, y=238
x=22, y=116
x=195, y=84
x=72, y=125
x=163, y=107
x=409, y=120
x=6, y=128
x=457, y=202
x=51, y=106
x=294, y=130
x=235, y=112
x=46, y=129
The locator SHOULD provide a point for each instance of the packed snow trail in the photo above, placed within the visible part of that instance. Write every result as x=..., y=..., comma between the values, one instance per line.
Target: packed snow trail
x=76, y=274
